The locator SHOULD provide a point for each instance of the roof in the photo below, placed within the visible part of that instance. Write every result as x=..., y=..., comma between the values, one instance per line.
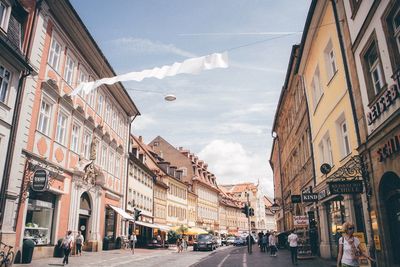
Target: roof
x=238, y=188
x=267, y=201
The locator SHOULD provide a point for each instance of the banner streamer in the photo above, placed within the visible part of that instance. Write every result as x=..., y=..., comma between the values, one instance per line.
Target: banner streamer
x=189, y=66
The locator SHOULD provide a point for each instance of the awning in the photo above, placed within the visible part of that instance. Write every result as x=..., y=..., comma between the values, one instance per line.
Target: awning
x=163, y=227
x=150, y=225
x=121, y=212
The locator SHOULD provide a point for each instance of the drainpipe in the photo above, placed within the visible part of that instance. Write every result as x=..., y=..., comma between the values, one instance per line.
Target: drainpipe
x=353, y=107
x=15, y=122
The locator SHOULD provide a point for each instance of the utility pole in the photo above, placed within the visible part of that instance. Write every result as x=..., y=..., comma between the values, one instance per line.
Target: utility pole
x=249, y=247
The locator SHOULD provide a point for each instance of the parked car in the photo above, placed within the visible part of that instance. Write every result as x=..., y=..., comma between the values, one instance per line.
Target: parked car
x=230, y=240
x=239, y=241
x=205, y=242
x=223, y=241
x=154, y=244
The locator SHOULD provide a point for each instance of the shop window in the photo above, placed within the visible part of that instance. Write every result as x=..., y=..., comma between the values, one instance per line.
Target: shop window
x=40, y=217
x=359, y=215
x=110, y=223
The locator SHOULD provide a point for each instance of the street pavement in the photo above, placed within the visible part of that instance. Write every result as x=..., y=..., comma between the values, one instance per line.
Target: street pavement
x=238, y=257
x=222, y=257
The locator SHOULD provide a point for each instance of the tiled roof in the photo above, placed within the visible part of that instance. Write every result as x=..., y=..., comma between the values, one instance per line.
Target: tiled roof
x=238, y=188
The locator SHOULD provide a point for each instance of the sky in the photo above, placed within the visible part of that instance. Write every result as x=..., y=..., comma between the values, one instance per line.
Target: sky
x=224, y=116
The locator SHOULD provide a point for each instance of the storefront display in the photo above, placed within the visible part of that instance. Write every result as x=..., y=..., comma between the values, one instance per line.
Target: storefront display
x=336, y=218
x=39, y=217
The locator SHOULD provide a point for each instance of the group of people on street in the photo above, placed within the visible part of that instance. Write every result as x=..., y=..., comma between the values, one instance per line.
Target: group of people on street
x=267, y=242
x=67, y=245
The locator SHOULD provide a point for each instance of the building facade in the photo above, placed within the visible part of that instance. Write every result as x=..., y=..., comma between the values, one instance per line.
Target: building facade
x=16, y=27
x=374, y=34
x=79, y=142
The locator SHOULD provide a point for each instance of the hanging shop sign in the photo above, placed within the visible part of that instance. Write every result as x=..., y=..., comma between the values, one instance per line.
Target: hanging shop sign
x=40, y=180
x=346, y=187
x=300, y=221
x=388, y=98
x=310, y=197
x=325, y=168
x=391, y=147
x=295, y=198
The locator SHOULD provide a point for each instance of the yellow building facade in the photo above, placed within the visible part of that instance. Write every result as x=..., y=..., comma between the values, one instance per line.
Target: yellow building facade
x=333, y=128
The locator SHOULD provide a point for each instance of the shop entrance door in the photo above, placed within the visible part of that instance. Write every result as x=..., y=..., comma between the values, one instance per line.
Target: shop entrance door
x=83, y=220
x=390, y=192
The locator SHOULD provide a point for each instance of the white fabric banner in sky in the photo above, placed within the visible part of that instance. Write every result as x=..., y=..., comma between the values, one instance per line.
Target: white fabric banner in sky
x=189, y=66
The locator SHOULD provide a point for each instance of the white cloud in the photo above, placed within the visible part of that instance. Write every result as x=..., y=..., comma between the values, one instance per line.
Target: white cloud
x=235, y=127
x=147, y=46
x=142, y=122
x=231, y=163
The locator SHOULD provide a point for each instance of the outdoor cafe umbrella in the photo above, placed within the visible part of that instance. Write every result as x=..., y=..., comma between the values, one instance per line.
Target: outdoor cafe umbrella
x=196, y=231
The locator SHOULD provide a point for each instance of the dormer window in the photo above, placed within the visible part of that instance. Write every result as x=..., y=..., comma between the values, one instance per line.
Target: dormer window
x=4, y=15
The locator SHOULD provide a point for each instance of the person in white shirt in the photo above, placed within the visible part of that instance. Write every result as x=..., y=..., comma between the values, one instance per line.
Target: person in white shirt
x=349, y=248
x=292, y=239
x=67, y=246
x=272, y=244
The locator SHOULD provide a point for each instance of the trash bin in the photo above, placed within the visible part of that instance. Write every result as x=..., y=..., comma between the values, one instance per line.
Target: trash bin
x=118, y=242
x=105, y=243
x=58, y=250
x=27, y=250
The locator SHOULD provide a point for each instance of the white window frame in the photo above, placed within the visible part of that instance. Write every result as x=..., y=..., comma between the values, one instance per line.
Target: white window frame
x=44, y=120
x=69, y=69
x=54, y=55
x=345, y=139
x=107, y=113
x=75, y=136
x=83, y=77
x=104, y=157
x=99, y=106
x=117, y=166
x=87, y=141
x=61, y=127
x=316, y=86
x=5, y=16
x=330, y=58
x=375, y=67
x=5, y=83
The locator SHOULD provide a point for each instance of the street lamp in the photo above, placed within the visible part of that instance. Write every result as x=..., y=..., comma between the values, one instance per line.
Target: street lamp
x=275, y=207
x=168, y=97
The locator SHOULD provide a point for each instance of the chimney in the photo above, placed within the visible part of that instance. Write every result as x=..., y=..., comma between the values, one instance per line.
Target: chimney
x=164, y=165
x=140, y=139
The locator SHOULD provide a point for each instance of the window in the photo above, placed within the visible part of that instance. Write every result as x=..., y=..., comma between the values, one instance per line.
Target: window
x=114, y=120
x=104, y=157
x=4, y=15
x=69, y=70
x=54, y=56
x=396, y=28
x=374, y=70
x=76, y=130
x=5, y=76
x=330, y=60
x=111, y=162
x=87, y=140
x=354, y=4
x=99, y=107
x=61, y=127
x=44, y=118
x=107, y=115
x=344, y=138
x=117, y=166
x=316, y=88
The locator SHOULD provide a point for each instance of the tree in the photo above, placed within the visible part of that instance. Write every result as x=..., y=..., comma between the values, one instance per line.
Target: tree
x=172, y=237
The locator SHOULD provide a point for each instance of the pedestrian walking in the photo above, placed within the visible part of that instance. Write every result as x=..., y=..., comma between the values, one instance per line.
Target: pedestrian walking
x=179, y=245
x=349, y=248
x=67, y=245
x=264, y=243
x=79, y=242
x=268, y=234
x=132, y=241
x=292, y=239
x=272, y=244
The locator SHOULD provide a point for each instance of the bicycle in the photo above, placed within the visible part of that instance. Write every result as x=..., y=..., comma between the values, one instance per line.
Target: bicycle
x=6, y=259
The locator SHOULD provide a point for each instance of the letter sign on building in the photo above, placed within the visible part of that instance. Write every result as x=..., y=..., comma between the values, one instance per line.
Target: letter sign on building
x=39, y=181
x=346, y=187
x=310, y=197
x=295, y=198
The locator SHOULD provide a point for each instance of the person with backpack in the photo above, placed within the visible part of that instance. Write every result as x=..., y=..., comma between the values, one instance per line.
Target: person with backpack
x=79, y=242
x=264, y=243
x=67, y=246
